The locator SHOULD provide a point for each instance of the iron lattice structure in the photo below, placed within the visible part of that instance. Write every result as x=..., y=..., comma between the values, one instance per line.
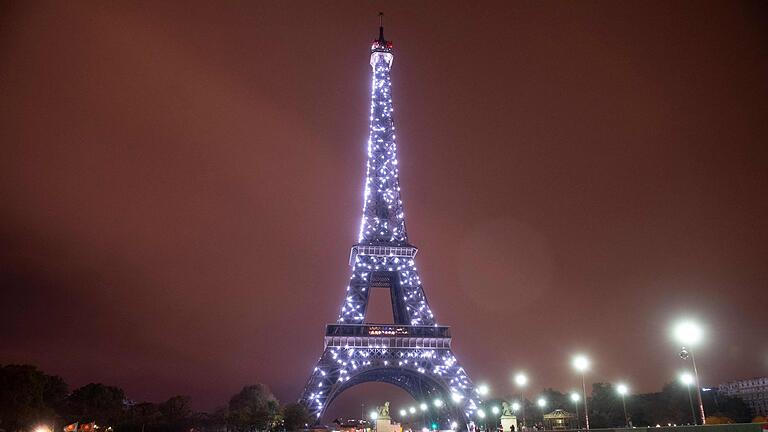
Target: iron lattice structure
x=414, y=353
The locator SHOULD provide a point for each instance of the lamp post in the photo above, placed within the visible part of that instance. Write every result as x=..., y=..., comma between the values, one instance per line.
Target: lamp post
x=689, y=334
x=541, y=402
x=522, y=380
x=622, y=389
x=581, y=364
x=687, y=379
x=575, y=398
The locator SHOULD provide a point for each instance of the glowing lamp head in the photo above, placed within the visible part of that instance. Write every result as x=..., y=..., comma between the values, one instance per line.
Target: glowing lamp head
x=481, y=413
x=495, y=410
x=541, y=402
x=42, y=428
x=622, y=389
x=423, y=406
x=521, y=380
x=688, y=333
x=454, y=425
x=686, y=378
x=482, y=389
x=412, y=410
x=438, y=403
x=515, y=406
x=581, y=363
x=374, y=415
x=456, y=397
x=575, y=397
x=403, y=413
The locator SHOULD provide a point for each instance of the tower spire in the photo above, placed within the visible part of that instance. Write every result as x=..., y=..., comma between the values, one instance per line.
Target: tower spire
x=381, y=28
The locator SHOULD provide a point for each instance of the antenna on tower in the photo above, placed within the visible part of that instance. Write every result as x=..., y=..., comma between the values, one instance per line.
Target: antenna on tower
x=381, y=27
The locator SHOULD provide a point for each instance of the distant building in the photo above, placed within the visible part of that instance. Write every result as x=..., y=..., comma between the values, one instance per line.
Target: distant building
x=559, y=419
x=753, y=391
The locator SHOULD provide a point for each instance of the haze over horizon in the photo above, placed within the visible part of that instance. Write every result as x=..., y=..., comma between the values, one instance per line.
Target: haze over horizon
x=182, y=182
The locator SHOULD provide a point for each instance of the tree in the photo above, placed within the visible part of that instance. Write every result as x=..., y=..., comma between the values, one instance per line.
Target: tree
x=96, y=402
x=254, y=408
x=296, y=416
x=605, y=409
x=175, y=413
x=720, y=405
x=28, y=396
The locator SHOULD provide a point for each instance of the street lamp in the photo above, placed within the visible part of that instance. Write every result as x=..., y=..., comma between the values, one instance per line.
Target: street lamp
x=438, y=403
x=541, y=402
x=482, y=389
x=481, y=414
x=689, y=334
x=687, y=379
x=522, y=380
x=581, y=364
x=575, y=399
x=374, y=415
x=423, y=406
x=515, y=406
x=412, y=410
x=403, y=413
x=622, y=390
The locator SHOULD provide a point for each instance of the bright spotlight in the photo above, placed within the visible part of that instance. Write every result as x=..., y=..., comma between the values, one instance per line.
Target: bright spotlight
x=495, y=410
x=403, y=413
x=575, y=397
x=438, y=403
x=622, y=389
x=481, y=413
x=581, y=363
x=688, y=333
x=454, y=425
x=456, y=397
x=423, y=406
x=515, y=406
x=482, y=389
x=686, y=378
x=374, y=415
x=521, y=380
x=541, y=402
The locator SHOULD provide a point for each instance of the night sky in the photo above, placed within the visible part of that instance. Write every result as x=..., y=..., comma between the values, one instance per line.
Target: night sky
x=180, y=184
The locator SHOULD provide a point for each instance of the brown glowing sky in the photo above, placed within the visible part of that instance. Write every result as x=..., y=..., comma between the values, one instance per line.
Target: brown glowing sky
x=181, y=184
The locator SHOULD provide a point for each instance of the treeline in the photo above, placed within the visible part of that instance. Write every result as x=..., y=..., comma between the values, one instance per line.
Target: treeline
x=669, y=406
x=29, y=399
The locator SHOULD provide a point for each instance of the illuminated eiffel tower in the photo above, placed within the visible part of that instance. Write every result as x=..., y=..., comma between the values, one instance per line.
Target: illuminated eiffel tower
x=414, y=353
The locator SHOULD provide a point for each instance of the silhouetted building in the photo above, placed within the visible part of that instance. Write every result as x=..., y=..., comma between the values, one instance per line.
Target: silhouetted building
x=753, y=391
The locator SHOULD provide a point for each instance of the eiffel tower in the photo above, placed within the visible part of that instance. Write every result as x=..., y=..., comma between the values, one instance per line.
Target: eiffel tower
x=414, y=353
